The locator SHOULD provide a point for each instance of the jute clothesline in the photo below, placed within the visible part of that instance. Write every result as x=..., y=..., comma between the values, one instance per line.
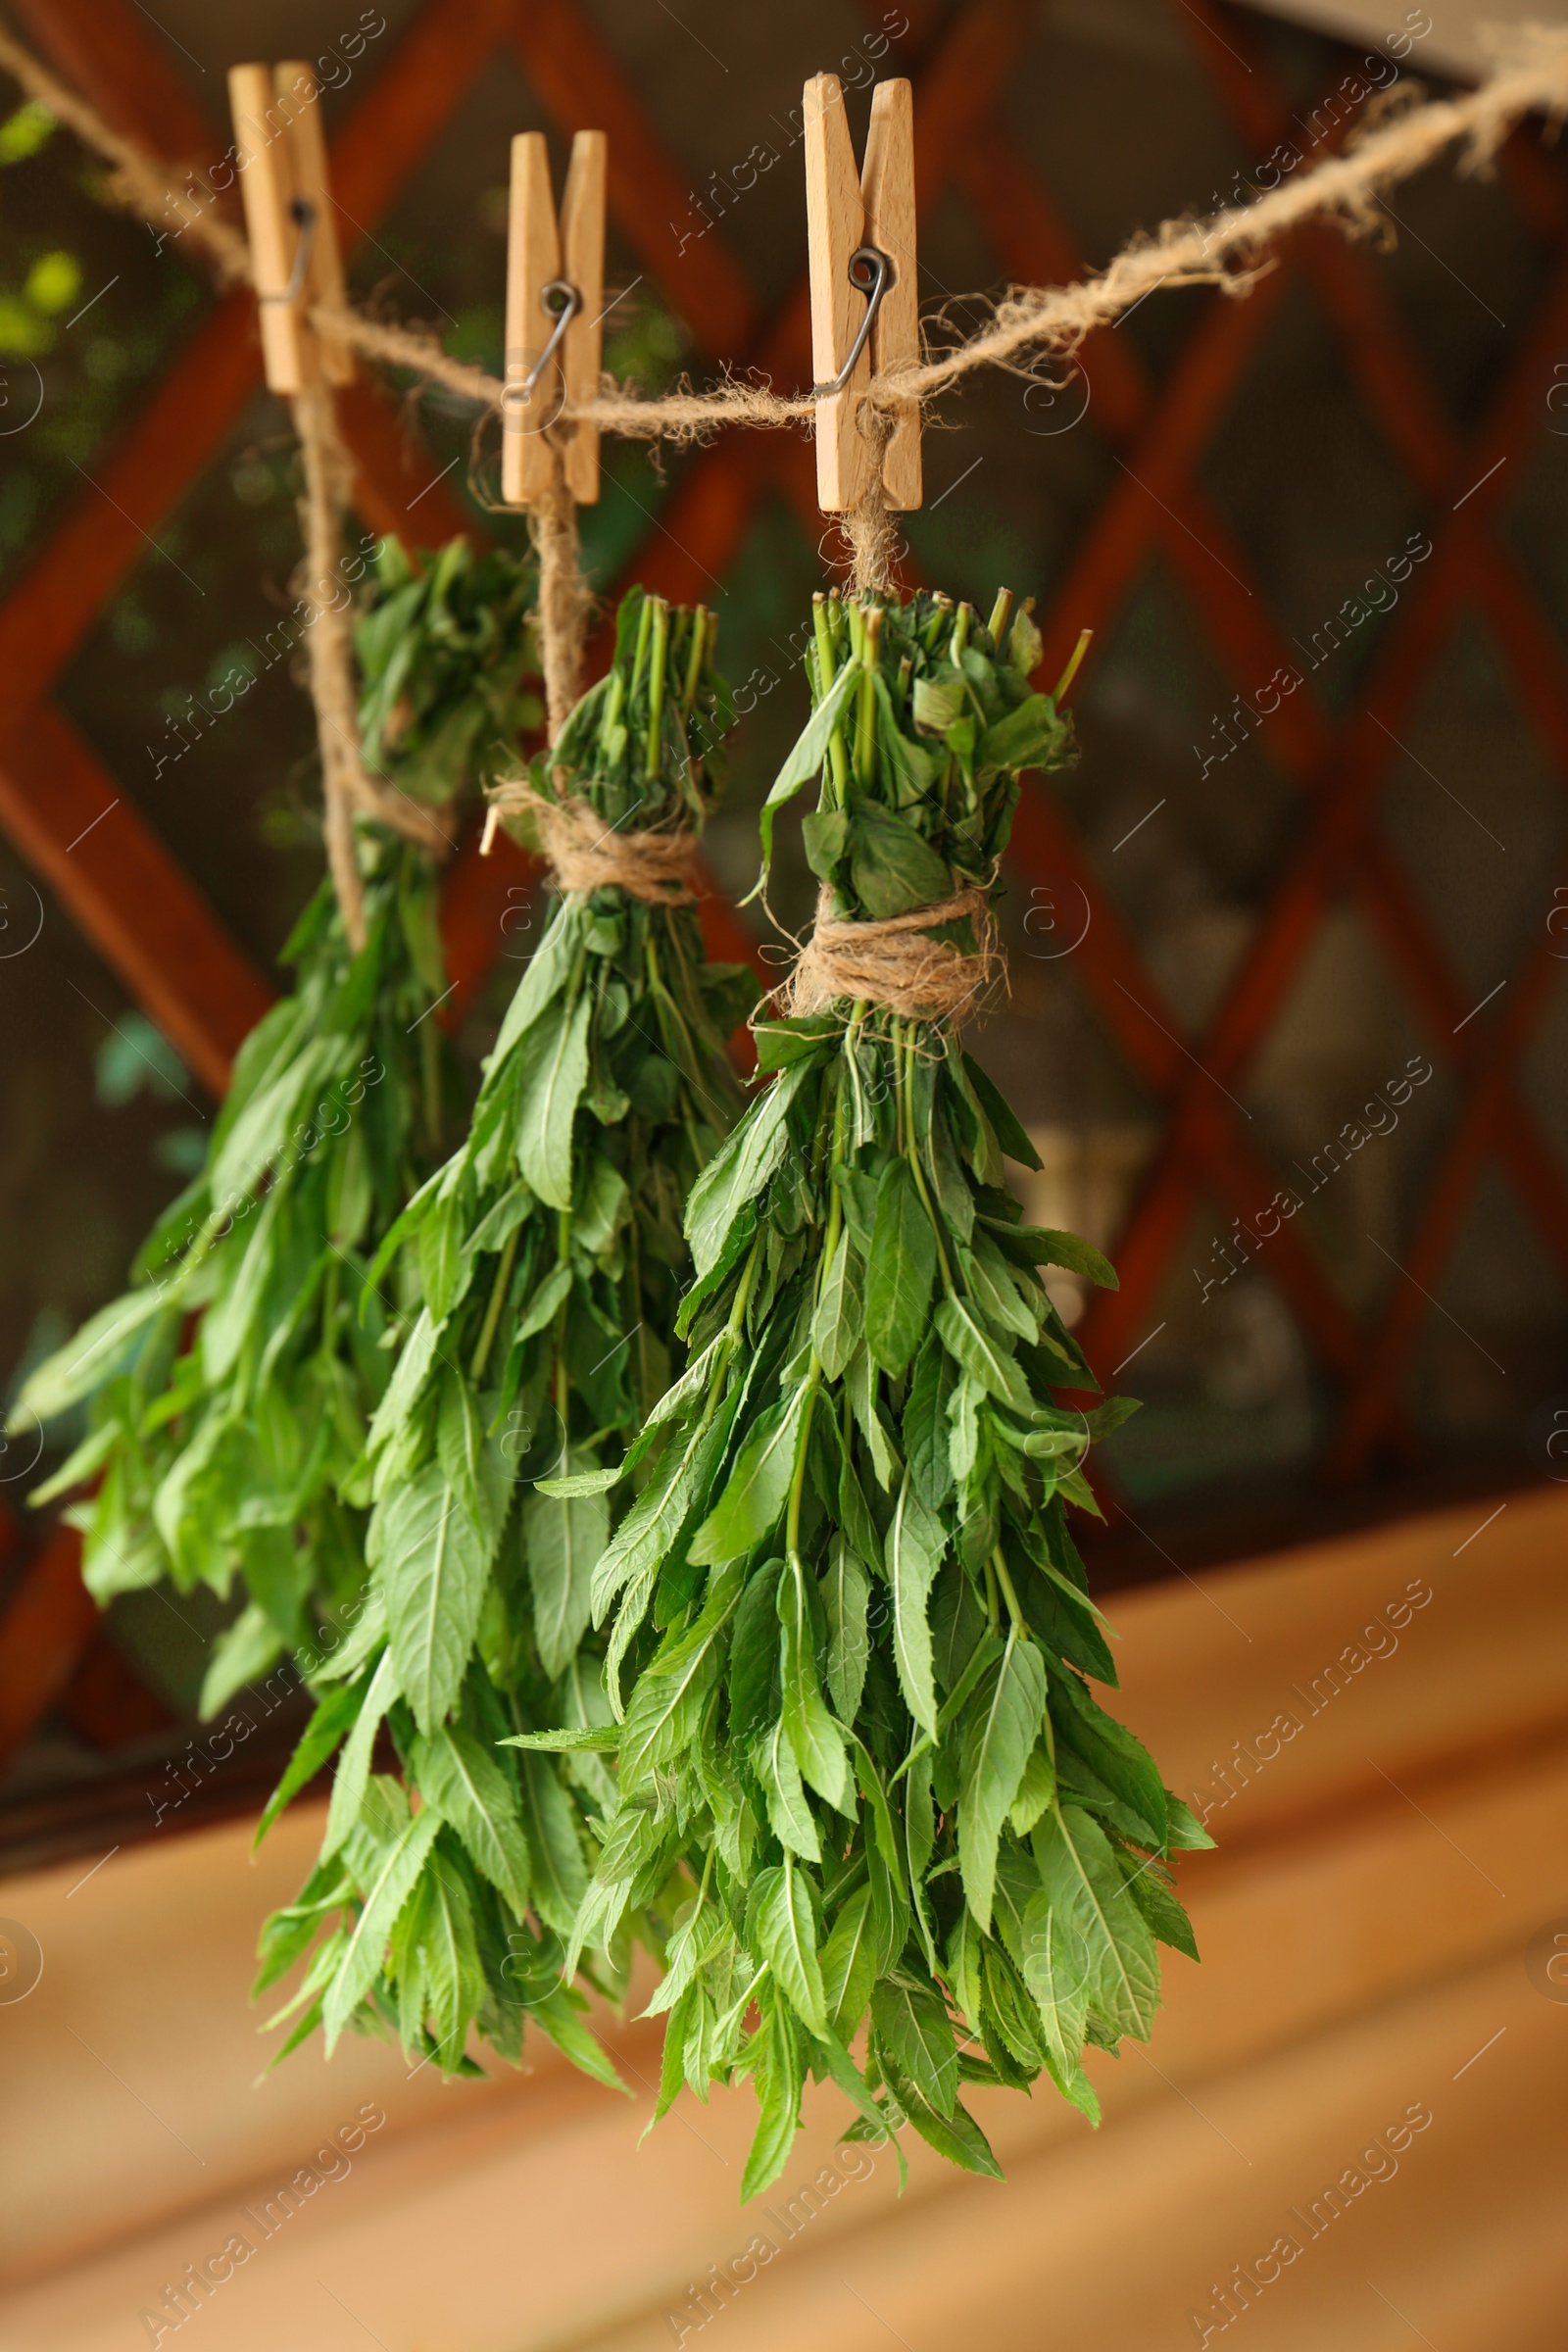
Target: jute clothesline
x=1029, y=325
x=1222, y=250
x=1225, y=249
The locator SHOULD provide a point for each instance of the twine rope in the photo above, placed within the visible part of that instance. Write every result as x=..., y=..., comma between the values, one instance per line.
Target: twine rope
x=1034, y=322
x=564, y=601
x=867, y=530
x=897, y=962
x=585, y=854
x=329, y=642
x=138, y=181
x=1028, y=324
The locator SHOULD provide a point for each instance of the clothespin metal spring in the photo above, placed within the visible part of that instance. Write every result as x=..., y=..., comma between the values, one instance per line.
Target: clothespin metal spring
x=302, y=213
x=872, y=274
x=561, y=301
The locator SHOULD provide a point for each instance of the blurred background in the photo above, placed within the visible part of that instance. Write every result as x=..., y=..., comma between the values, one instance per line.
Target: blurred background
x=1296, y=924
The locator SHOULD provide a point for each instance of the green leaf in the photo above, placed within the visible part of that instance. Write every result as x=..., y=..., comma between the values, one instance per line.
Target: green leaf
x=817, y=1739
x=667, y=1704
x=87, y=1359
x=925, y=1424
x=903, y=1267
x=992, y=1289
x=778, y=2092
x=782, y=1922
x=432, y=1565
x=836, y=1322
x=1058, y=1972
x=563, y=1537
x=855, y=1524
x=467, y=1786
x=983, y=1357
x=894, y=869
x=581, y=1482
x=321, y=1735
x=954, y=1194
x=807, y=754
x=937, y=703
x=559, y=2016
x=1149, y=1890
x=1035, y=1791
x=995, y=1749
x=603, y=1738
x=353, y=1774
x=755, y=1648
x=362, y=1641
x=1030, y=736
x=956, y=2136
x=560, y=1874
x=860, y=1381
x=473, y=1468
x=849, y=1966
x=883, y=1831
x=243, y=1652
x=825, y=836
x=782, y=1041
x=1186, y=1832
x=409, y=1374
x=915, y=1549
x=773, y=1761
x=1119, y=1759
x=79, y=1465
x=912, y=2025
x=543, y=1307
x=1025, y=645
x=859, y=1204
x=548, y=972
x=753, y=1497
x=648, y=1528
x=738, y=1172
x=847, y=1590
x=388, y=1891
x=553, y=1061
x=1047, y=1248
x=1082, y=1885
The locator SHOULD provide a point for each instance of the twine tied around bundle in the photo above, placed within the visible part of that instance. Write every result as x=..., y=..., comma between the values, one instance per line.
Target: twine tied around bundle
x=585, y=854
x=897, y=962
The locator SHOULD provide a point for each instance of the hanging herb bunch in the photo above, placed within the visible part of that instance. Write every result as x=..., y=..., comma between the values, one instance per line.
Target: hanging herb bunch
x=445, y=651
x=548, y=1256
x=230, y=1390
x=861, y=1645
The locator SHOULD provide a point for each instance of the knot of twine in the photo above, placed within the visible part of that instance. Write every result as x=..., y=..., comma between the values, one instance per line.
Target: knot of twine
x=585, y=854
x=897, y=962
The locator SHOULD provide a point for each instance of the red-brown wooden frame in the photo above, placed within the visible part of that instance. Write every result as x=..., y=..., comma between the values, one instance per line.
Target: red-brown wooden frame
x=131, y=899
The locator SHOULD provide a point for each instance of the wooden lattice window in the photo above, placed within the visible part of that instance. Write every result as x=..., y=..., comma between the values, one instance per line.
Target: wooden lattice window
x=1335, y=500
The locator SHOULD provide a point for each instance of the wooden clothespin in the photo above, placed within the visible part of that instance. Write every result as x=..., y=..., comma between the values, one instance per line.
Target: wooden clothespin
x=554, y=318
x=860, y=237
x=291, y=218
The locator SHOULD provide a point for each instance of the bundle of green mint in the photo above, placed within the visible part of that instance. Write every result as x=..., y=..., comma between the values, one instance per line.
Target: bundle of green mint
x=854, y=1643
x=547, y=1256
